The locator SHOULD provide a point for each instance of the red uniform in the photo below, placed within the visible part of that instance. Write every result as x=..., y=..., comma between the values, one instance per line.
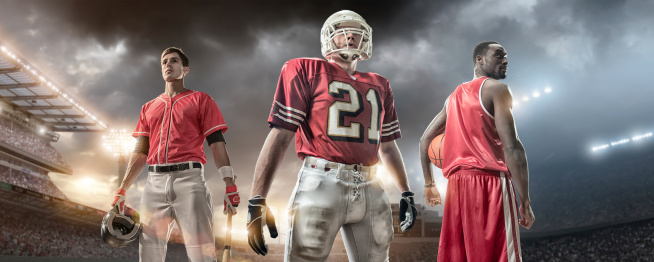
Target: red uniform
x=177, y=127
x=480, y=216
x=341, y=118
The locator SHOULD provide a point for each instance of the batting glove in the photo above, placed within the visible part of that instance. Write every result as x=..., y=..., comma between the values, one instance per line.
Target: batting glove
x=407, y=216
x=119, y=201
x=259, y=215
x=232, y=199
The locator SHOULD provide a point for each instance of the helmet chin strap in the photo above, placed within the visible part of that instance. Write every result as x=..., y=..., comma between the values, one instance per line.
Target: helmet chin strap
x=345, y=57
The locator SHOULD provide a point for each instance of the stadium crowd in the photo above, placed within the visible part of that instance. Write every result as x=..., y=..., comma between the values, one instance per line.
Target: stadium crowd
x=28, y=141
x=28, y=235
x=630, y=242
x=614, y=191
x=30, y=180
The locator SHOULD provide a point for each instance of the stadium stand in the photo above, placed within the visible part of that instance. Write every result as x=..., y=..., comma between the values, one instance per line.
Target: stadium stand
x=628, y=242
x=15, y=135
x=615, y=188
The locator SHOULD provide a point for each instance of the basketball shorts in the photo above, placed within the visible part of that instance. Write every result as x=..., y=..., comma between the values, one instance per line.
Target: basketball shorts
x=480, y=220
x=180, y=197
x=329, y=197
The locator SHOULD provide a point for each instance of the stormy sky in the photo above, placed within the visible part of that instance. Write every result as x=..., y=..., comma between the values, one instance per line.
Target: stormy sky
x=592, y=54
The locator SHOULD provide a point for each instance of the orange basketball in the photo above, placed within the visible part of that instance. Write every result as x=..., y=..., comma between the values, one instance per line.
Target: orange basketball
x=436, y=151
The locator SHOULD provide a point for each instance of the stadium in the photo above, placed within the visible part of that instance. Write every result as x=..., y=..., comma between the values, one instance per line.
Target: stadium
x=73, y=71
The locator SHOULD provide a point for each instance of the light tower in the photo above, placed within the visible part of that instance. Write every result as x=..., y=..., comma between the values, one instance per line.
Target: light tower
x=120, y=143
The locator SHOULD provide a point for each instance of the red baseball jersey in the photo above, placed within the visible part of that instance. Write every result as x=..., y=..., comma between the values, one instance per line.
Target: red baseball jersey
x=471, y=138
x=337, y=116
x=177, y=127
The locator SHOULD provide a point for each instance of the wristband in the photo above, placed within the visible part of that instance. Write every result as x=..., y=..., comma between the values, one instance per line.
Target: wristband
x=430, y=185
x=227, y=171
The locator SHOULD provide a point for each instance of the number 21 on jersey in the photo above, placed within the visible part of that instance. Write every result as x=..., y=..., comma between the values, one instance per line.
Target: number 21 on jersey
x=336, y=128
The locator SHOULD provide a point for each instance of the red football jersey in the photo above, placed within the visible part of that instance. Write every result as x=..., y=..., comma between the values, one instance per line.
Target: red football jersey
x=177, y=127
x=340, y=117
x=471, y=138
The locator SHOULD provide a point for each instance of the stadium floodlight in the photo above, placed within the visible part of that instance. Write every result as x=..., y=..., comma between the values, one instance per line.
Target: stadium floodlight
x=525, y=98
x=548, y=89
x=536, y=94
x=120, y=144
x=516, y=103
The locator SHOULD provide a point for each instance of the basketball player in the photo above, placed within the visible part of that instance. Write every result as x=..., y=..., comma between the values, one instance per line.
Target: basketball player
x=481, y=155
x=170, y=133
x=342, y=120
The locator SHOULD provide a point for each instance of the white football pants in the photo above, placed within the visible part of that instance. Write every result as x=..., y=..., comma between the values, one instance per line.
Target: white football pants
x=180, y=197
x=331, y=196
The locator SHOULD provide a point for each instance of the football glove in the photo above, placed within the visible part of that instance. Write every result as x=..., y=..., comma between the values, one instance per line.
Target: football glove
x=259, y=215
x=408, y=211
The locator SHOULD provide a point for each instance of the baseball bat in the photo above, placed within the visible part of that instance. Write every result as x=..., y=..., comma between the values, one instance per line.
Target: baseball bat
x=227, y=253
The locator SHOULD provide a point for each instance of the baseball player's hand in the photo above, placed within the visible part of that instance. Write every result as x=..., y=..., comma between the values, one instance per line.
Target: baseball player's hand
x=408, y=211
x=232, y=199
x=432, y=196
x=526, y=215
x=259, y=215
x=119, y=201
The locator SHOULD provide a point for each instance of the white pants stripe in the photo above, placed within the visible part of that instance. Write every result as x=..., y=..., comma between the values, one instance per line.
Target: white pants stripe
x=510, y=221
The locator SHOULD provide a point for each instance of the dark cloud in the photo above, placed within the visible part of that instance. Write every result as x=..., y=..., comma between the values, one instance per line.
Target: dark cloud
x=591, y=53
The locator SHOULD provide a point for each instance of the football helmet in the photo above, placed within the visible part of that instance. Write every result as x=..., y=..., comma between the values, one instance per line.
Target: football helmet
x=343, y=23
x=119, y=230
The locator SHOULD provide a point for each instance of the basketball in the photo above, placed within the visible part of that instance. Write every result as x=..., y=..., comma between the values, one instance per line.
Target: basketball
x=436, y=151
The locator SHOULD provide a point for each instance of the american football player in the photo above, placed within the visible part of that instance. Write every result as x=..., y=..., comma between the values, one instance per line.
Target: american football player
x=344, y=121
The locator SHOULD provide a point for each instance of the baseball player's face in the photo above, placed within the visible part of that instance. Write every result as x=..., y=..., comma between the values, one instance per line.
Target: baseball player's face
x=349, y=39
x=172, y=68
x=496, y=62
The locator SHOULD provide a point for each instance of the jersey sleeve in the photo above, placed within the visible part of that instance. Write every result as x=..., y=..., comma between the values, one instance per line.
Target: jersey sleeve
x=289, y=108
x=211, y=119
x=390, y=125
x=142, y=127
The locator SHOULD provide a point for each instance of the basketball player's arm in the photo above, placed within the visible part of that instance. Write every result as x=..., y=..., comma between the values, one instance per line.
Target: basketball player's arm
x=435, y=128
x=392, y=159
x=136, y=162
x=221, y=159
x=514, y=151
x=270, y=157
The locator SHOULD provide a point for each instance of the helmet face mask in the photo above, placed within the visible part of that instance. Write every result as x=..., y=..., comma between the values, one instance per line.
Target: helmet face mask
x=342, y=24
x=120, y=230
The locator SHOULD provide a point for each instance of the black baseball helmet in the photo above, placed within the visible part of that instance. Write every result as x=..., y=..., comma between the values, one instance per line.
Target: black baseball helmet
x=120, y=230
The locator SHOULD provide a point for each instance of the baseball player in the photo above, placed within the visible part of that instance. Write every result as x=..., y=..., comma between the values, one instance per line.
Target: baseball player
x=342, y=121
x=170, y=133
x=482, y=155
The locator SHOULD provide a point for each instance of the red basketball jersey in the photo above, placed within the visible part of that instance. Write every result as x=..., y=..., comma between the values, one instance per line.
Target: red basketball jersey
x=337, y=116
x=471, y=139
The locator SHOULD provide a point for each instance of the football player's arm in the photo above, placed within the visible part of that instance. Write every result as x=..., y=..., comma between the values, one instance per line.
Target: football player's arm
x=270, y=157
x=514, y=151
x=136, y=162
x=392, y=159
